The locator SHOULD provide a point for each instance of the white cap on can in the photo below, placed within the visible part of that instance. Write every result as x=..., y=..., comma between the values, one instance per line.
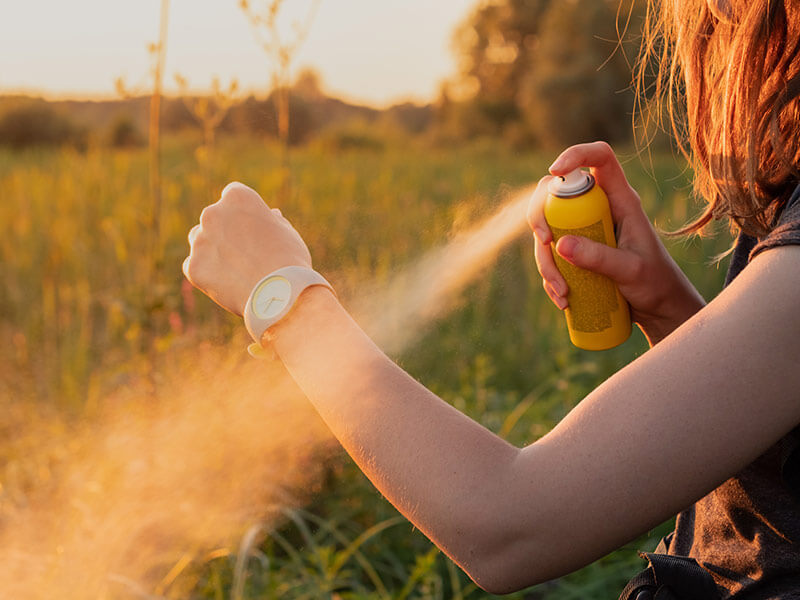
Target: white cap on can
x=572, y=183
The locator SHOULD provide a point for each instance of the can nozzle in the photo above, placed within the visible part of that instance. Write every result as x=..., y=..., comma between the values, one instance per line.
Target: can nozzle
x=574, y=181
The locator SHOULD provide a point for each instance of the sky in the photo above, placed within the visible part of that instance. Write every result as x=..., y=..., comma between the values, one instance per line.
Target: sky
x=370, y=51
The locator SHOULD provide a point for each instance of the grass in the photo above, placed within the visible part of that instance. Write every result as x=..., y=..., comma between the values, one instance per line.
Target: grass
x=82, y=322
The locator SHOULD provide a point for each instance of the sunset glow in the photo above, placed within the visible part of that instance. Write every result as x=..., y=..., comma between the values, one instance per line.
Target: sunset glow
x=372, y=52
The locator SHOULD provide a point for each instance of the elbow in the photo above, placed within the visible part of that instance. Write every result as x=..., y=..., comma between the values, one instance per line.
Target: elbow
x=499, y=576
x=501, y=542
x=494, y=586
x=488, y=580
x=506, y=562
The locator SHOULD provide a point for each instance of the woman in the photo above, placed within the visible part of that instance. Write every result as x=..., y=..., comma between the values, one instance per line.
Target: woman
x=703, y=420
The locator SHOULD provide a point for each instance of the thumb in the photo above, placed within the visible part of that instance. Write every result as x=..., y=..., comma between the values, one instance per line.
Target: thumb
x=619, y=265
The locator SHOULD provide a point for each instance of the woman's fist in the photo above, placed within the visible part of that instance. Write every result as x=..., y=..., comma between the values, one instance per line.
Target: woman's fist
x=239, y=241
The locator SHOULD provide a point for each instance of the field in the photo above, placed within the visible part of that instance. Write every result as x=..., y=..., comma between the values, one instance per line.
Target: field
x=95, y=315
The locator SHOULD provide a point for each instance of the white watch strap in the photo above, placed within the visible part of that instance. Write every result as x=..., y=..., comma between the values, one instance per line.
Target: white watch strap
x=299, y=279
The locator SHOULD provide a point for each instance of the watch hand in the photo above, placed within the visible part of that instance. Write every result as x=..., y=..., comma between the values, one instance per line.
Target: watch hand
x=271, y=300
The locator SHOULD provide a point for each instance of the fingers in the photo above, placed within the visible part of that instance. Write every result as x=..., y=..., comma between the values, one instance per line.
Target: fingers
x=190, y=268
x=236, y=196
x=552, y=280
x=597, y=155
x=554, y=284
x=622, y=266
x=236, y=192
x=193, y=233
x=559, y=301
x=185, y=267
x=277, y=212
x=535, y=212
x=210, y=215
x=600, y=157
x=237, y=204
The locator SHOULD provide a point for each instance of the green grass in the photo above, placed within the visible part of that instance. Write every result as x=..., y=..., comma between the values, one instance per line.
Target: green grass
x=84, y=315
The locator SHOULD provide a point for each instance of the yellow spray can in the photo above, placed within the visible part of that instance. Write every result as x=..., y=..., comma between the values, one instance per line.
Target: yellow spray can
x=597, y=316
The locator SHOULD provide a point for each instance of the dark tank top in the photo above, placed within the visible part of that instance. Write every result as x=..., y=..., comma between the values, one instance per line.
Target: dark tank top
x=746, y=533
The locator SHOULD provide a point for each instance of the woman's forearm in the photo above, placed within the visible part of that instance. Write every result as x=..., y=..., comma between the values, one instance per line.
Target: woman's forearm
x=445, y=472
x=442, y=470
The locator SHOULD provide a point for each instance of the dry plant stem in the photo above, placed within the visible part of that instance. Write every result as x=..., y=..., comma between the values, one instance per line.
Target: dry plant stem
x=283, y=133
x=159, y=51
x=282, y=52
x=209, y=112
x=155, y=263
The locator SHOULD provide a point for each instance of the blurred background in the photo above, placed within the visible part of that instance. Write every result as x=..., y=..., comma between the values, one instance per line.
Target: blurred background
x=143, y=454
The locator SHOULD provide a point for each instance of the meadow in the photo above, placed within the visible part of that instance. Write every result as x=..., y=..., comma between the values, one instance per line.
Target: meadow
x=94, y=313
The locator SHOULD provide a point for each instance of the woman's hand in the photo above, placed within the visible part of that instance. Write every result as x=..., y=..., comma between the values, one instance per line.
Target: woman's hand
x=660, y=295
x=238, y=242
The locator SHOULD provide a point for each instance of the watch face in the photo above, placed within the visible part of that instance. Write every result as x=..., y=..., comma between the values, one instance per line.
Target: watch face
x=271, y=297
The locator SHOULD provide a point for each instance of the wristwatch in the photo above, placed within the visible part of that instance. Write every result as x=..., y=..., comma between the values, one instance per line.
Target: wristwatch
x=273, y=297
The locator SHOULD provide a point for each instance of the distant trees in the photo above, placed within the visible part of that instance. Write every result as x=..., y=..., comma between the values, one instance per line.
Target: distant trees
x=124, y=133
x=37, y=124
x=555, y=72
x=496, y=46
x=253, y=116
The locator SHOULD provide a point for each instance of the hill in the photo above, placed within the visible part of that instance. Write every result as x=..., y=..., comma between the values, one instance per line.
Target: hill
x=311, y=114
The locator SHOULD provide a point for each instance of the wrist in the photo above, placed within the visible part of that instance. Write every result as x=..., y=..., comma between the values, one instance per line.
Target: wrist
x=310, y=313
x=678, y=312
x=274, y=297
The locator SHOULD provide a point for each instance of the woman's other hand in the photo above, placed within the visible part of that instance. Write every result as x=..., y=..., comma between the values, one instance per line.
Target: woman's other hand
x=659, y=293
x=238, y=241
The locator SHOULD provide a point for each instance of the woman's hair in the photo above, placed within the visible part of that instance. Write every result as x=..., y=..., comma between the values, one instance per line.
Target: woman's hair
x=728, y=73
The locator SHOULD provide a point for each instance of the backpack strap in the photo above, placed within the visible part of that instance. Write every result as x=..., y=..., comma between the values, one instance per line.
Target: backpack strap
x=670, y=577
x=790, y=461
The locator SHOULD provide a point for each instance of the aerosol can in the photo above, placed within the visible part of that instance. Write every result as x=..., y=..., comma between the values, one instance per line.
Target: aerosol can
x=597, y=316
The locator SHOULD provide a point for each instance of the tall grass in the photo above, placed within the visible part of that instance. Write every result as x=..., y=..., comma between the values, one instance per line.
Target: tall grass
x=78, y=316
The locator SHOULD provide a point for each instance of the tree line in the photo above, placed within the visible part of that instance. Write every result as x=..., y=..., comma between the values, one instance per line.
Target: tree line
x=543, y=73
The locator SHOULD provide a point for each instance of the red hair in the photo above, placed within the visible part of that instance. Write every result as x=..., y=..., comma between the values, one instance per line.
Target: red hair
x=729, y=72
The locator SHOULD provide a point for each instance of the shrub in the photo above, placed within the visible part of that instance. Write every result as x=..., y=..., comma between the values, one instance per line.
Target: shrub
x=124, y=133
x=39, y=125
x=578, y=91
x=355, y=135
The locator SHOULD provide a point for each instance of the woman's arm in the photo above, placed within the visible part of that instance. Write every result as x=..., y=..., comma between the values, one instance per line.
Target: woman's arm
x=651, y=440
x=648, y=442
